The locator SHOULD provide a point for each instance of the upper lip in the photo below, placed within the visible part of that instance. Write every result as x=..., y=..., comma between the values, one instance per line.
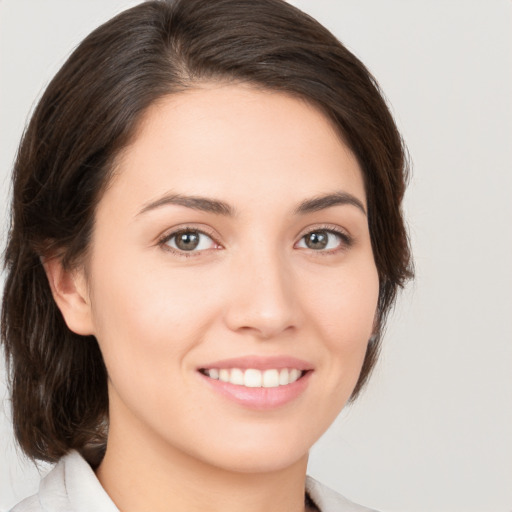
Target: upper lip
x=260, y=363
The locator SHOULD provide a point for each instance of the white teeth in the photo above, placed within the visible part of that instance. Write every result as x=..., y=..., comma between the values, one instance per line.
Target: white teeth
x=294, y=375
x=253, y=378
x=237, y=377
x=270, y=379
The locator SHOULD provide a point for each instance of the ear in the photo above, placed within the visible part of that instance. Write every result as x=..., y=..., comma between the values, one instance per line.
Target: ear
x=70, y=292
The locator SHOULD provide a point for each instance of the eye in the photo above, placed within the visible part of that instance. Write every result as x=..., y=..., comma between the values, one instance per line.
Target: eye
x=189, y=240
x=323, y=240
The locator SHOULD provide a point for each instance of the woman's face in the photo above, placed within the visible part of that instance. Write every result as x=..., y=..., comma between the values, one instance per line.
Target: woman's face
x=232, y=245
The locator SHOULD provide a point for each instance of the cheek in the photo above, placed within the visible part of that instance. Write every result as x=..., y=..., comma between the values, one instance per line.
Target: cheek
x=147, y=325
x=345, y=304
x=145, y=316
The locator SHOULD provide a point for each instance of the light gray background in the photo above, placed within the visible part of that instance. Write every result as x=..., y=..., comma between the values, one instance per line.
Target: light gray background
x=433, y=430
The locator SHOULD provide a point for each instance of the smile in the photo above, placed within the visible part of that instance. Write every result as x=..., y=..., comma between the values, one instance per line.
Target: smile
x=254, y=378
x=258, y=382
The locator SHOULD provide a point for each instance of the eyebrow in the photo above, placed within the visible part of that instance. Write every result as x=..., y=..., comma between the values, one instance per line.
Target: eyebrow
x=218, y=207
x=326, y=201
x=195, y=202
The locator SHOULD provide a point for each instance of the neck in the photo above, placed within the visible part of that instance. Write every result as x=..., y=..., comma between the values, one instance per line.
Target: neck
x=151, y=476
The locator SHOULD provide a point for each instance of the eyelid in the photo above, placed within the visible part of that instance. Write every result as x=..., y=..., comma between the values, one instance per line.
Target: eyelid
x=346, y=238
x=163, y=239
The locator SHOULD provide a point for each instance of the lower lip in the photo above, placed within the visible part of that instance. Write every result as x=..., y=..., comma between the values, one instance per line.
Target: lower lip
x=260, y=398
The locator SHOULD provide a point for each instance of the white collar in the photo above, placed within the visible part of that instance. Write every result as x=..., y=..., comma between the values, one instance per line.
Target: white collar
x=72, y=486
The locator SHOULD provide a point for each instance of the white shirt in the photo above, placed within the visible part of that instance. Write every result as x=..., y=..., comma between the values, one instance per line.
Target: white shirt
x=72, y=486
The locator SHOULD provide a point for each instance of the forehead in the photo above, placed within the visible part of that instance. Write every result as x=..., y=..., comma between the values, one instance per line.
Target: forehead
x=238, y=143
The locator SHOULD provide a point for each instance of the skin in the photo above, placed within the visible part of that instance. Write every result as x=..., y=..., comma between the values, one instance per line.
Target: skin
x=253, y=288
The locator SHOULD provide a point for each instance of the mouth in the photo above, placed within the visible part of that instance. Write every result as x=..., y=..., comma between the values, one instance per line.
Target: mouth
x=259, y=383
x=255, y=378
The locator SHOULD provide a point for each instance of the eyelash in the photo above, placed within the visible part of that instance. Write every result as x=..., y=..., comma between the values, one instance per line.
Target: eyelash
x=164, y=241
x=346, y=241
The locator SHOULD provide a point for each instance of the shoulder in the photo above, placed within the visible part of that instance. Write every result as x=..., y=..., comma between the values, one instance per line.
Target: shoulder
x=71, y=486
x=51, y=494
x=30, y=504
x=328, y=500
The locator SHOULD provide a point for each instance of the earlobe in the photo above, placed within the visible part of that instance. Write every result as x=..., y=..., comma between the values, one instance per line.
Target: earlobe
x=70, y=292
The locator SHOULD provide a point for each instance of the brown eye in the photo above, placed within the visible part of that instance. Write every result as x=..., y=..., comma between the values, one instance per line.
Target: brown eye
x=190, y=240
x=317, y=240
x=187, y=241
x=323, y=240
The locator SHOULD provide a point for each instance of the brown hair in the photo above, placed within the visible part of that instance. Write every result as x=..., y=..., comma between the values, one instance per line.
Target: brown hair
x=89, y=112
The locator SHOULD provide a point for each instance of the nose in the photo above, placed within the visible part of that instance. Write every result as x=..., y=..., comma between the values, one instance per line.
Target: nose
x=263, y=301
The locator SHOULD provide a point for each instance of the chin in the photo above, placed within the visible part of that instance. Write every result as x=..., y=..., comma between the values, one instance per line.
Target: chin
x=262, y=461
x=265, y=451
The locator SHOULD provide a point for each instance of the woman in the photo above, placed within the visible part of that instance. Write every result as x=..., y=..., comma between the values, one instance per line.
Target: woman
x=206, y=238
